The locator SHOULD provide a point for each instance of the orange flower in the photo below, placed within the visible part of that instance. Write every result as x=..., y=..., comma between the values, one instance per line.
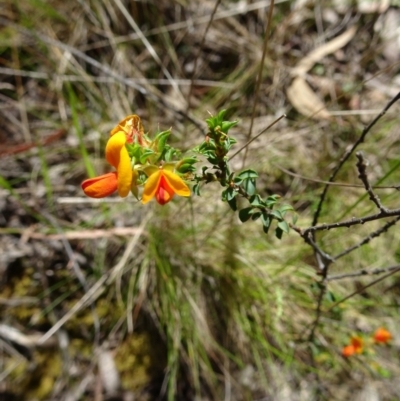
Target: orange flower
x=101, y=186
x=382, y=336
x=348, y=350
x=121, y=180
x=355, y=347
x=163, y=184
x=357, y=343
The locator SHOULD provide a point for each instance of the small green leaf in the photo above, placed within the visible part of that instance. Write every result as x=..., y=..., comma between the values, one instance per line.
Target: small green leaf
x=238, y=180
x=286, y=208
x=330, y=296
x=196, y=189
x=247, y=174
x=294, y=218
x=277, y=214
x=231, y=193
x=278, y=233
x=245, y=214
x=272, y=200
x=233, y=204
x=161, y=139
x=283, y=226
x=169, y=153
x=249, y=185
x=145, y=155
x=135, y=191
x=266, y=221
x=186, y=168
x=255, y=216
x=256, y=200
x=227, y=125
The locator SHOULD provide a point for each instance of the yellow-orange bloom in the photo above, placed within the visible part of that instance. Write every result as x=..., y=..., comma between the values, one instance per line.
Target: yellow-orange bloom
x=355, y=347
x=121, y=180
x=357, y=343
x=382, y=336
x=163, y=184
x=348, y=350
x=117, y=156
x=101, y=186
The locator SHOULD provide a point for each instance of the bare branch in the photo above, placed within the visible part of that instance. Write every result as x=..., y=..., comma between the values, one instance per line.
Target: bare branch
x=363, y=272
x=373, y=235
x=334, y=184
x=324, y=259
x=362, y=175
x=347, y=154
x=347, y=223
x=323, y=285
x=364, y=288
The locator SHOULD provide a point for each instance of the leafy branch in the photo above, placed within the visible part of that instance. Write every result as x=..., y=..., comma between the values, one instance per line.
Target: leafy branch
x=242, y=184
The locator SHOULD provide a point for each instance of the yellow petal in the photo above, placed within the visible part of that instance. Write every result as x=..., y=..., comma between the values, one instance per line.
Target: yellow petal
x=125, y=173
x=113, y=148
x=176, y=183
x=150, y=188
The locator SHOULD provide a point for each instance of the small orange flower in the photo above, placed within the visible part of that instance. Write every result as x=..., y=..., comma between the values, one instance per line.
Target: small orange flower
x=357, y=343
x=382, y=336
x=355, y=347
x=348, y=350
x=121, y=180
x=163, y=184
x=101, y=186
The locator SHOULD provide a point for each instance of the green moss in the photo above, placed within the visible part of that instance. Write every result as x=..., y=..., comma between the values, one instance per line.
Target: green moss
x=35, y=380
x=139, y=359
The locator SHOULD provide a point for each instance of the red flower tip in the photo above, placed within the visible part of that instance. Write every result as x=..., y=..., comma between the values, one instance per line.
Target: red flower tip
x=355, y=347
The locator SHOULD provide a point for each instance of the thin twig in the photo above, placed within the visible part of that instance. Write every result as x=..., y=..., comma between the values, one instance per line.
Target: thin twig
x=324, y=259
x=347, y=154
x=347, y=223
x=369, y=238
x=259, y=78
x=362, y=175
x=318, y=311
x=196, y=59
x=362, y=272
x=364, y=288
x=335, y=184
x=258, y=135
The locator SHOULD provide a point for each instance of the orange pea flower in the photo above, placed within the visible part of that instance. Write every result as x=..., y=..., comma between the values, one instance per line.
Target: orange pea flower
x=355, y=347
x=348, y=350
x=163, y=184
x=101, y=186
x=382, y=336
x=121, y=180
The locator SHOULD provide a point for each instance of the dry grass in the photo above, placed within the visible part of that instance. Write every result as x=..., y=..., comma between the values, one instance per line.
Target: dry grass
x=114, y=300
